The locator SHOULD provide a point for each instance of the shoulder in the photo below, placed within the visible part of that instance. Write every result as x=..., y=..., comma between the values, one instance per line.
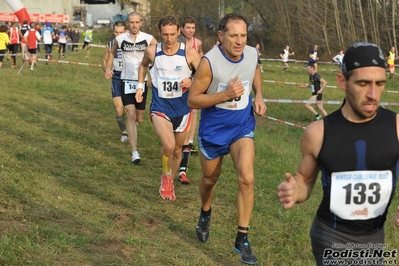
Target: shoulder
x=312, y=138
x=146, y=35
x=199, y=42
x=191, y=53
x=151, y=48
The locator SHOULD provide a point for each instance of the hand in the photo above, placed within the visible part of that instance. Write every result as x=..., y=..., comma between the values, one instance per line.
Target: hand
x=287, y=191
x=109, y=74
x=185, y=83
x=260, y=106
x=139, y=95
x=303, y=86
x=396, y=218
x=234, y=89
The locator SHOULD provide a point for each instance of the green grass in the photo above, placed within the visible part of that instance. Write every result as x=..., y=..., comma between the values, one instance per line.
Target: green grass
x=69, y=194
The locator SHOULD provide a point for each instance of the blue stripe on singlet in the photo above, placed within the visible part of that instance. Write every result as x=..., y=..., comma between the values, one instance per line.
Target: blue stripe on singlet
x=361, y=155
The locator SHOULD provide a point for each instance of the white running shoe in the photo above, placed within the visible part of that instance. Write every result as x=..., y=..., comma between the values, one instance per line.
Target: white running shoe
x=124, y=137
x=135, y=157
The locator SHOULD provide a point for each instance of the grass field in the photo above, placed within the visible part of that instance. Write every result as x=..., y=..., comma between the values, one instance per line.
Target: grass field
x=69, y=194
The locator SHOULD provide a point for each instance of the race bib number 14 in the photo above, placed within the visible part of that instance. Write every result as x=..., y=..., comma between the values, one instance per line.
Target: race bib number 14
x=130, y=86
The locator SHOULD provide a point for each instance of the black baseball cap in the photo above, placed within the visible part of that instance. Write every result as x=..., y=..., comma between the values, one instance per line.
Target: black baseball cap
x=363, y=54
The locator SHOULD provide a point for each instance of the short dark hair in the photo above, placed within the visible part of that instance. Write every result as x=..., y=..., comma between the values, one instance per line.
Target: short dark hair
x=187, y=19
x=228, y=17
x=119, y=24
x=168, y=20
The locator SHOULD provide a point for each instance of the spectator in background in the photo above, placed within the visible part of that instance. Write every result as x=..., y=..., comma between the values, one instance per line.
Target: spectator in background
x=24, y=28
x=78, y=14
x=75, y=36
x=338, y=59
x=88, y=34
x=313, y=57
x=4, y=41
x=391, y=57
x=15, y=39
x=48, y=38
x=257, y=46
x=56, y=31
x=32, y=36
x=39, y=30
x=69, y=40
x=62, y=40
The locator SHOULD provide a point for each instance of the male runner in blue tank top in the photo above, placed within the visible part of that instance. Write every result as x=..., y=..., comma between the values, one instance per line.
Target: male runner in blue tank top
x=172, y=65
x=356, y=148
x=222, y=89
x=116, y=85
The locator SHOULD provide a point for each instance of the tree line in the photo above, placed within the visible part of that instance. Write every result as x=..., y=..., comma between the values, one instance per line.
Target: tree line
x=331, y=24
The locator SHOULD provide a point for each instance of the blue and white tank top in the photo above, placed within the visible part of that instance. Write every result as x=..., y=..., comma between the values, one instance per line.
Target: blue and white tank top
x=166, y=73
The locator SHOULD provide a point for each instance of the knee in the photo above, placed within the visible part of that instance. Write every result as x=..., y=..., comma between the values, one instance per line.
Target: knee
x=131, y=116
x=209, y=180
x=169, y=148
x=246, y=181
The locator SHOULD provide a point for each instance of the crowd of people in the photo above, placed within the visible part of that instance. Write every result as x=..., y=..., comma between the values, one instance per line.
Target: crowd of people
x=26, y=40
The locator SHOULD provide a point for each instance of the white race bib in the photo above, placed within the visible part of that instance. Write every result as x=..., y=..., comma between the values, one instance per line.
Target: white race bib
x=118, y=64
x=168, y=87
x=237, y=103
x=360, y=195
x=130, y=86
x=312, y=88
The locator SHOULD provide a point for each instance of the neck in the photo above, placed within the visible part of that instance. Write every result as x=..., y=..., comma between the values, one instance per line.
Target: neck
x=170, y=50
x=134, y=35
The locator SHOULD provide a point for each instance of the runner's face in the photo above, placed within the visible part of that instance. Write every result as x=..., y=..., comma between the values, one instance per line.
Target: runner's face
x=134, y=24
x=234, y=39
x=189, y=30
x=169, y=35
x=363, y=91
x=118, y=30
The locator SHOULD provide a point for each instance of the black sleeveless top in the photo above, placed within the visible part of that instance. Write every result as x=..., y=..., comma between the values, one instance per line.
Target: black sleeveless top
x=348, y=146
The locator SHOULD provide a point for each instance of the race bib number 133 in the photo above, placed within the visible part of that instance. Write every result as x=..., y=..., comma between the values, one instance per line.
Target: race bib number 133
x=360, y=195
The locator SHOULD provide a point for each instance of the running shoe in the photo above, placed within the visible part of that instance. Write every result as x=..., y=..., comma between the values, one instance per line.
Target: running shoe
x=202, y=230
x=124, y=137
x=245, y=250
x=183, y=178
x=318, y=117
x=135, y=157
x=167, y=189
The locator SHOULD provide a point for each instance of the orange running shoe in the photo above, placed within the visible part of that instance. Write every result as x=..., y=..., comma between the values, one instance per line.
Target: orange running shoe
x=167, y=189
x=183, y=178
